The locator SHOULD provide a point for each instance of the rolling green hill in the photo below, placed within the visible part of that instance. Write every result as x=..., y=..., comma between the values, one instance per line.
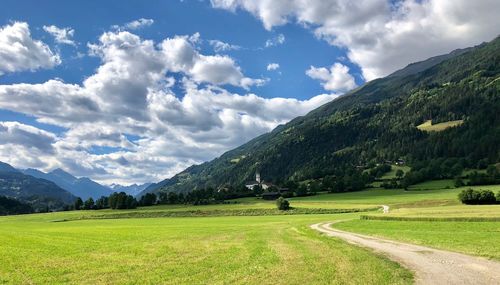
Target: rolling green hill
x=375, y=123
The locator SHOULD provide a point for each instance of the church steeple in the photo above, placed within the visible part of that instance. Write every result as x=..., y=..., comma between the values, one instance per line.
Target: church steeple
x=257, y=176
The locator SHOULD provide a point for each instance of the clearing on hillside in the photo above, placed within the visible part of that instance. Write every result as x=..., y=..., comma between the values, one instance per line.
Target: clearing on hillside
x=427, y=126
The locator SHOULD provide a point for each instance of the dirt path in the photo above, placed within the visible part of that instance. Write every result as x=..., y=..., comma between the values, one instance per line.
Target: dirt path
x=431, y=266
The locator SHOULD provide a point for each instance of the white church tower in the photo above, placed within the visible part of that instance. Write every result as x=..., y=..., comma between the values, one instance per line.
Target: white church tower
x=257, y=176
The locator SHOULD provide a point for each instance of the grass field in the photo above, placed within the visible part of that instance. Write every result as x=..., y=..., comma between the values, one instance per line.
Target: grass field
x=429, y=127
x=220, y=250
x=476, y=238
x=266, y=249
x=394, y=168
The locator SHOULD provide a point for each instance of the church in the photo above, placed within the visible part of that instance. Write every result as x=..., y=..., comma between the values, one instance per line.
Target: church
x=258, y=182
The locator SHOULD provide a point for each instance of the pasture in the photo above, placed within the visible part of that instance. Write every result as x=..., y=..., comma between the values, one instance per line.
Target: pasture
x=201, y=250
x=428, y=126
x=85, y=247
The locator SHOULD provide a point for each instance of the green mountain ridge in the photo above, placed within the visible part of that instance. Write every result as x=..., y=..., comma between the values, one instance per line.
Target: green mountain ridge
x=372, y=124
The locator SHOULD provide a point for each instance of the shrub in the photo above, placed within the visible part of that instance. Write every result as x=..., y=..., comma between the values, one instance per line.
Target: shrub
x=477, y=197
x=487, y=197
x=282, y=204
x=498, y=197
x=468, y=196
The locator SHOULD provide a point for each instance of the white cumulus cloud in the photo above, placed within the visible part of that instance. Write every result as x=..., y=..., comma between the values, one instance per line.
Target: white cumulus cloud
x=336, y=78
x=382, y=36
x=20, y=52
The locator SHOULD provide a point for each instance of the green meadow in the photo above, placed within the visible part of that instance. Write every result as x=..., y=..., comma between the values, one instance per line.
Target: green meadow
x=428, y=126
x=202, y=250
x=143, y=246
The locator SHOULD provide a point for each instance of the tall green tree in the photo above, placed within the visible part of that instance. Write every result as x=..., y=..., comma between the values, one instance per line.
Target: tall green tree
x=88, y=204
x=78, y=203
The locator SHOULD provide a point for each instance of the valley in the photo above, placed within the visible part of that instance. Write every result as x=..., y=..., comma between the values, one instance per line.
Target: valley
x=250, y=142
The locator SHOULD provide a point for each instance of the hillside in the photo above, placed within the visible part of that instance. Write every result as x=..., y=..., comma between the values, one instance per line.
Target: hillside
x=375, y=123
x=80, y=187
x=10, y=206
x=39, y=193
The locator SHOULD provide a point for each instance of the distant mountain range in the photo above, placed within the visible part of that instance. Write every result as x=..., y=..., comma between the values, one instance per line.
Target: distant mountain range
x=39, y=193
x=154, y=187
x=55, y=188
x=133, y=189
x=80, y=187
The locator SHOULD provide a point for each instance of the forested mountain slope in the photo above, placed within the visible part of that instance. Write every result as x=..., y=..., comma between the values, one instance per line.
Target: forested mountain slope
x=37, y=192
x=375, y=123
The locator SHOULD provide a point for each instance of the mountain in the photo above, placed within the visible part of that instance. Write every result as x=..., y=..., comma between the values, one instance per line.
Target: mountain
x=133, y=189
x=375, y=123
x=155, y=187
x=4, y=167
x=80, y=187
x=37, y=192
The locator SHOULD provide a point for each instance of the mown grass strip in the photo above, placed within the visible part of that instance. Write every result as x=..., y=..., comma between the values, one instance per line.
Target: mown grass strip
x=215, y=213
x=431, y=219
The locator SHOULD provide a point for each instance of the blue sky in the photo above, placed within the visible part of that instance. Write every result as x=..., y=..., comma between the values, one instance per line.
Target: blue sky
x=137, y=92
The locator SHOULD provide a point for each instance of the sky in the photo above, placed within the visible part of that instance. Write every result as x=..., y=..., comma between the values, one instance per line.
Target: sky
x=136, y=91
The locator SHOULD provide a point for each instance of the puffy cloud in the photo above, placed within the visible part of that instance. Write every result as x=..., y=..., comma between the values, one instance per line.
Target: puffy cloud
x=273, y=66
x=26, y=146
x=19, y=51
x=215, y=69
x=219, y=46
x=130, y=67
x=337, y=78
x=276, y=41
x=128, y=110
x=86, y=135
x=270, y=12
x=27, y=136
x=61, y=35
x=380, y=35
x=53, y=102
x=221, y=70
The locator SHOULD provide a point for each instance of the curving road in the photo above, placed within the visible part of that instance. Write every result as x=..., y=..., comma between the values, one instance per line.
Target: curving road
x=431, y=266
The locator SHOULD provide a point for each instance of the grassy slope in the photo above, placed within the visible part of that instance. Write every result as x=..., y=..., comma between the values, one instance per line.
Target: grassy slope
x=394, y=168
x=221, y=250
x=429, y=127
